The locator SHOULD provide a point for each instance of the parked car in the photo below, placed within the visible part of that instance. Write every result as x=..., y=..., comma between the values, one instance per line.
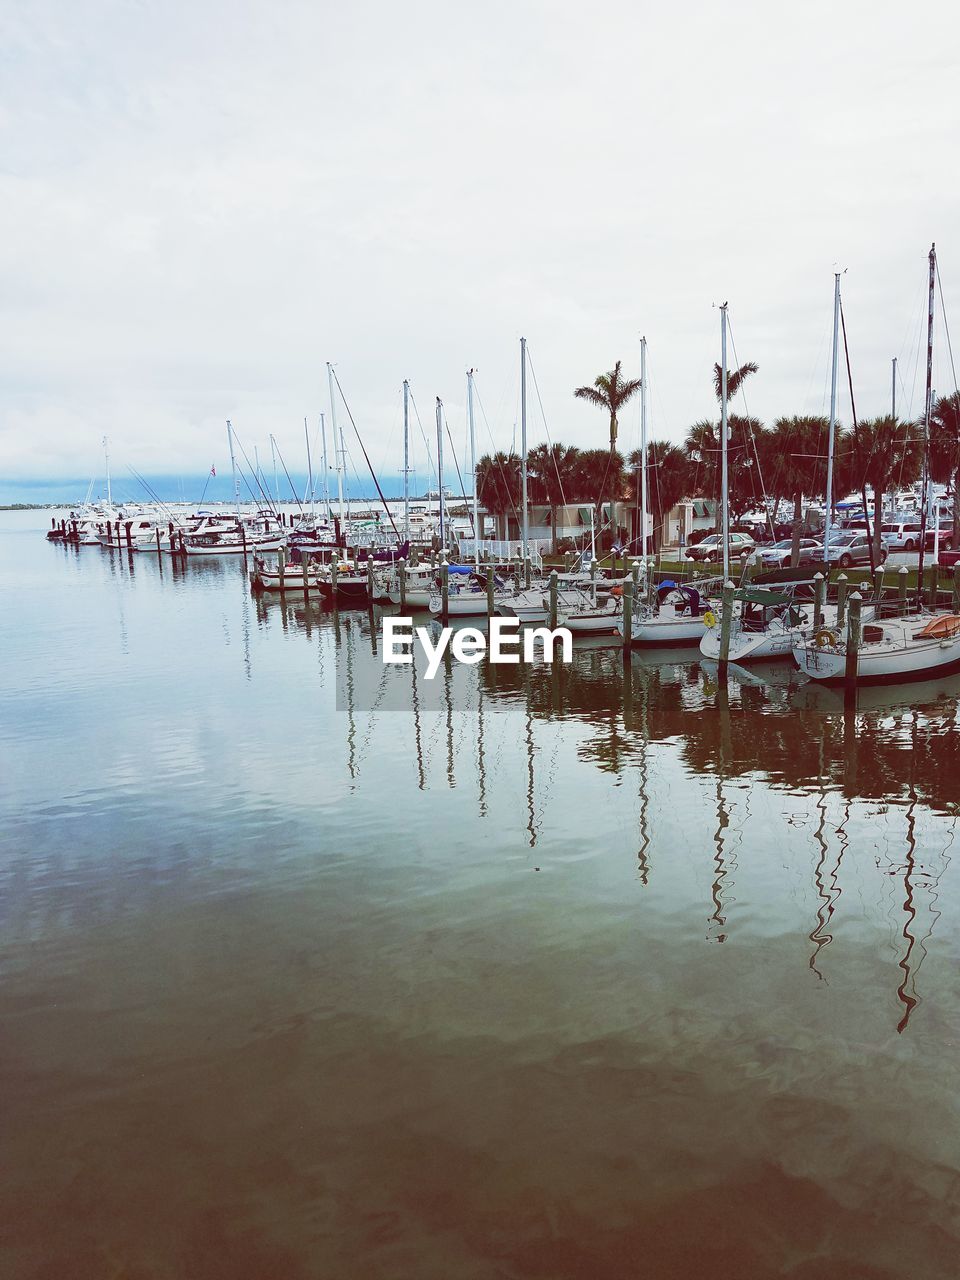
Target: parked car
x=711, y=548
x=851, y=547
x=904, y=536
x=777, y=556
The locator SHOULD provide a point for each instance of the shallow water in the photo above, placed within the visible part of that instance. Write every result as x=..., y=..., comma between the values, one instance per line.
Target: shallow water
x=546, y=974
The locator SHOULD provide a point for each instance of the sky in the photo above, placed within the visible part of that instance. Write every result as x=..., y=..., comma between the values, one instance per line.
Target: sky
x=204, y=202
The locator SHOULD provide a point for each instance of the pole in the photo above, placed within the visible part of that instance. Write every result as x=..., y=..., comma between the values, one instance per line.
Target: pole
x=726, y=621
x=406, y=460
x=326, y=468
x=473, y=468
x=926, y=422
x=724, y=497
x=827, y=519
x=554, y=579
x=643, y=447
x=893, y=390
x=523, y=441
x=627, y=620
x=333, y=423
x=440, y=466
x=273, y=454
x=306, y=436
x=106, y=459
x=233, y=467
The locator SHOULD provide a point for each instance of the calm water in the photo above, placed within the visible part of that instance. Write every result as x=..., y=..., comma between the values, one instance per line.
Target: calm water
x=578, y=977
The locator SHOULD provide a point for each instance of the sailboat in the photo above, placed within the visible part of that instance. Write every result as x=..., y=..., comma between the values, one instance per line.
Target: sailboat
x=771, y=620
x=675, y=615
x=897, y=648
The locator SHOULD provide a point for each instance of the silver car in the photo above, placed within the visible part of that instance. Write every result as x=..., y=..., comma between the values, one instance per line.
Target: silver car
x=777, y=556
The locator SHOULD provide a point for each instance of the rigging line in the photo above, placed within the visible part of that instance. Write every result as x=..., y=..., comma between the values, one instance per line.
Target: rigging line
x=946, y=328
x=556, y=464
x=753, y=436
x=287, y=474
x=463, y=494
x=266, y=499
x=496, y=455
x=396, y=531
x=423, y=434
x=856, y=436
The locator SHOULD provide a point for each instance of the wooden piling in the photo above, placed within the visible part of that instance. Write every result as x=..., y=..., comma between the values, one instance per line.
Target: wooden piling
x=334, y=571
x=128, y=526
x=627, y=621
x=444, y=591
x=305, y=561
x=956, y=588
x=282, y=568
x=526, y=572
x=819, y=597
x=853, y=643
x=159, y=553
x=371, y=587
x=490, y=578
x=402, y=582
x=554, y=583
x=902, y=574
x=843, y=587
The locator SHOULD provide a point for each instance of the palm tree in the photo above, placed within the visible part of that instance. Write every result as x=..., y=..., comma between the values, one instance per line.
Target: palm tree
x=498, y=487
x=702, y=445
x=669, y=479
x=945, y=452
x=798, y=466
x=610, y=391
x=883, y=454
x=735, y=379
x=599, y=476
x=552, y=476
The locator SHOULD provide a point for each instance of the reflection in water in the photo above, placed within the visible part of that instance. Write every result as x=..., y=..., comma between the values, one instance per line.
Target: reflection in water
x=273, y=1005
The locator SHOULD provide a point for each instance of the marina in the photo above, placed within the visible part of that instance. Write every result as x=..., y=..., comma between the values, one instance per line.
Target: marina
x=702, y=934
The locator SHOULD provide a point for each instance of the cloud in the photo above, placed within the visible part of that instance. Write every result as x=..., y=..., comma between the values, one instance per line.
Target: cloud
x=199, y=205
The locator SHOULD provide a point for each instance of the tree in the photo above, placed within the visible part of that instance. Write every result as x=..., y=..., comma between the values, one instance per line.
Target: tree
x=735, y=379
x=883, y=454
x=610, y=391
x=499, y=487
x=552, y=478
x=945, y=452
x=703, y=447
x=669, y=479
x=599, y=477
x=798, y=466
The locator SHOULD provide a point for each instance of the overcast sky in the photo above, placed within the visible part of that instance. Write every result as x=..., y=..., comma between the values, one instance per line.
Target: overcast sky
x=203, y=202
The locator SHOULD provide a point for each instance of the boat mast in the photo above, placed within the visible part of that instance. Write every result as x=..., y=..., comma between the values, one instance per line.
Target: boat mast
x=522, y=443
x=333, y=420
x=106, y=459
x=643, y=446
x=326, y=468
x=833, y=419
x=893, y=389
x=724, y=503
x=443, y=543
x=233, y=466
x=306, y=436
x=406, y=459
x=925, y=496
x=473, y=468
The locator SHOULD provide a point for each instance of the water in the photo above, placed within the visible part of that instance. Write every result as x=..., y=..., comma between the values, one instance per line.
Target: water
x=525, y=979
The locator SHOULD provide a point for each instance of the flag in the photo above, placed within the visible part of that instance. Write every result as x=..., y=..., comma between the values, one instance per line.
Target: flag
x=213, y=470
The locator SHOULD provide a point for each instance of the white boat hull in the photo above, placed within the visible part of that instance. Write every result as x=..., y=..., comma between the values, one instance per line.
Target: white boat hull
x=898, y=658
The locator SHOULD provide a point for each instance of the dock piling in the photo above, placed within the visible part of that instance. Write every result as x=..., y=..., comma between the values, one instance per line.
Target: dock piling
x=819, y=597
x=627, y=620
x=402, y=582
x=554, y=580
x=902, y=575
x=843, y=587
x=853, y=643
x=444, y=591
